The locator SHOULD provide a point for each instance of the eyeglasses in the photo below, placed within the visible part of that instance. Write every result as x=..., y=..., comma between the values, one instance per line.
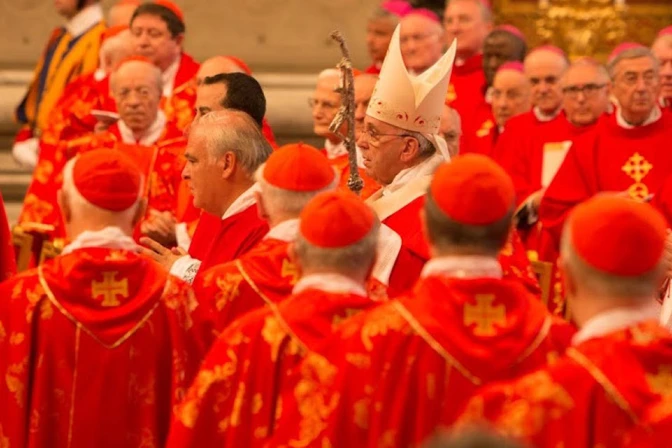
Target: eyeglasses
x=588, y=90
x=373, y=136
x=313, y=103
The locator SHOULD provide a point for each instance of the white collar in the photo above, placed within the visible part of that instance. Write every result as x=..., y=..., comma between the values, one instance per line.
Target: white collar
x=99, y=74
x=242, y=202
x=168, y=77
x=335, y=150
x=463, y=266
x=543, y=117
x=424, y=168
x=616, y=319
x=109, y=238
x=151, y=136
x=333, y=283
x=285, y=231
x=84, y=19
x=655, y=115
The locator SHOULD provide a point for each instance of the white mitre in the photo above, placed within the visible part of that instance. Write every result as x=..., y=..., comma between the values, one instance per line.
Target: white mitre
x=413, y=103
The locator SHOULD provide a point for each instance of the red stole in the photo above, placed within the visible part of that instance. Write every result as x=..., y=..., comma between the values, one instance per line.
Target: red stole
x=100, y=345
x=466, y=92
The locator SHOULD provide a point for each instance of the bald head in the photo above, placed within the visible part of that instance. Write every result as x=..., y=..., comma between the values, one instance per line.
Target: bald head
x=136, y=87
x=662, y=49
x=421, y=41
x=325, y=103
x=216, y=65
x=114, y=50
x=121, y=12
x=511, y=95
x=544, y=68
x=585, y=92
x=364, y=85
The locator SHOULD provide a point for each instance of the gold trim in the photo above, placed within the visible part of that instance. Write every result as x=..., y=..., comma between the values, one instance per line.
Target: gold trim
x=271, y=305
x=78, y=333
x=434, y=343
x=603, y=381
x=543, y=332
x=124, y=338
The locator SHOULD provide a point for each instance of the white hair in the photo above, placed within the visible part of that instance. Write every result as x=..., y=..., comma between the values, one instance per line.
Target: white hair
x=81, y=208
x=155, y=71
x=236, y=132
x=355, y=258
x=605, y=284
x=279, y=201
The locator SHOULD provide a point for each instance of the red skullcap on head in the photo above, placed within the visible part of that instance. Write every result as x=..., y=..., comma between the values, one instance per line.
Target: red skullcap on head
x=397, y=7
x=473, y=189
x=667, y=31
x=618, y=236
x=513, y=66
x=107, y=178
x=298, y=167
x=511, y=30
x=424, y=12
x=625, y=46
x=173, y=7
x=336, y=219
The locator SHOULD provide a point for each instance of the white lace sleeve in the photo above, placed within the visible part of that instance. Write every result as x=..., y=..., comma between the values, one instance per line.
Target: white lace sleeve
x=185, y=268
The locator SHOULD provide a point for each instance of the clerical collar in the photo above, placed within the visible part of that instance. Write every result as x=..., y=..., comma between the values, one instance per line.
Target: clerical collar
x=285, y=231
x=108, y=238
x=168, y=77
x=655, y=115
x=463, y=266
x=334, y=150
x=85, y=19
x=617, y=319
x=332, y=283
x=543, y=117
x=242, y=202
x=151, y=136
x=99, y=74
x=424, y=168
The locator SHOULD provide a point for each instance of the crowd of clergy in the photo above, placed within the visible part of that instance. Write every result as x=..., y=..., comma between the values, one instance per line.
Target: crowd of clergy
x=501, y=279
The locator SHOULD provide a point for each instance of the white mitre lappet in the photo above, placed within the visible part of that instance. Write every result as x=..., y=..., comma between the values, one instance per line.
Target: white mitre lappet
x=413, y=103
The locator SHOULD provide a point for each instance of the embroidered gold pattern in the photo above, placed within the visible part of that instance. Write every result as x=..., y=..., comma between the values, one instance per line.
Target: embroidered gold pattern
x=484, y=315
x=289, y=270
x=228, y=289
x=381, y=321
x=637, y=168
x=661, y=383
x=110, y=288
x=485, y=128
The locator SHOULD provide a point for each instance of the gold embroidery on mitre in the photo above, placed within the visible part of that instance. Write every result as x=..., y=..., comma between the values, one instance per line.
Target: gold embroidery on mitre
x=289, y=270
x=661, y=383
x=110, y=288
x=229, y=289
x=484, y=315
x=485, y=128
x=637, y=168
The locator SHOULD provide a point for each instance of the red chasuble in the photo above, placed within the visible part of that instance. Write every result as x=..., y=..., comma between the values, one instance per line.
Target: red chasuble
x=482, y=140
x=161, y=164
x=392, y=374
x=97, y=347
x=234, y=399
x=466, y=92
x=612, y=159
x=7, y=257
x=262, y=276
x=593, y=396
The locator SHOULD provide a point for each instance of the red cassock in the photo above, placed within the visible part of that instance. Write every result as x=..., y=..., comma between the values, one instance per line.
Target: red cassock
x=593, y=396
x=218, y=241
x=161, y=164
x=234, y=399
x=466, y=92
x=654, y=429
x=609, y=158
x=393, y=374
x=482, y=140
x=97, y=347
x=263, y=276
x=7, y=256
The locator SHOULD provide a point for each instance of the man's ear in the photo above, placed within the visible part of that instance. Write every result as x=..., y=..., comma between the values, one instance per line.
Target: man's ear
x=227, y=163
x=179, y=40
x=140, y=211
x=410, y=149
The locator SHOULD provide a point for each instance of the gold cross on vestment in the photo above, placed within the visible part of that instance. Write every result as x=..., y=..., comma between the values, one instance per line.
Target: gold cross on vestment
x=661, y=383
x=289, y=270
x=484, y=315
x=637, y=167
x=110, y=288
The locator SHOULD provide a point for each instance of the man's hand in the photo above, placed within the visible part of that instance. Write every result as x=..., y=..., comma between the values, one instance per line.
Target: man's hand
x=165, y=257
x=160, y=227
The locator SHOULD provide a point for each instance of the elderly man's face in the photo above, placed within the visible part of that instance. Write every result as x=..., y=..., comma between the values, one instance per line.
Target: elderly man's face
x=381, y=145
x=636, y=88
x=544, y=70
x=152, y=39
x=510, y=95
x=137, y=95
x=585, y=94
x=325, y=103
x=421, y=43
x=662, y=49
x=378, y=36
x=463, y=20
x=203, y=172
x=451, y=130
x=364, y=85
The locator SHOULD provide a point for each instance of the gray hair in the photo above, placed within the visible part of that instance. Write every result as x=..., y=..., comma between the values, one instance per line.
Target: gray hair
x=425, y=146
x=156, y=74
x=278, y=201
x=381, y=13
x=236, y=132
x=355, y=258
x=605, y=284
x=632, y=53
